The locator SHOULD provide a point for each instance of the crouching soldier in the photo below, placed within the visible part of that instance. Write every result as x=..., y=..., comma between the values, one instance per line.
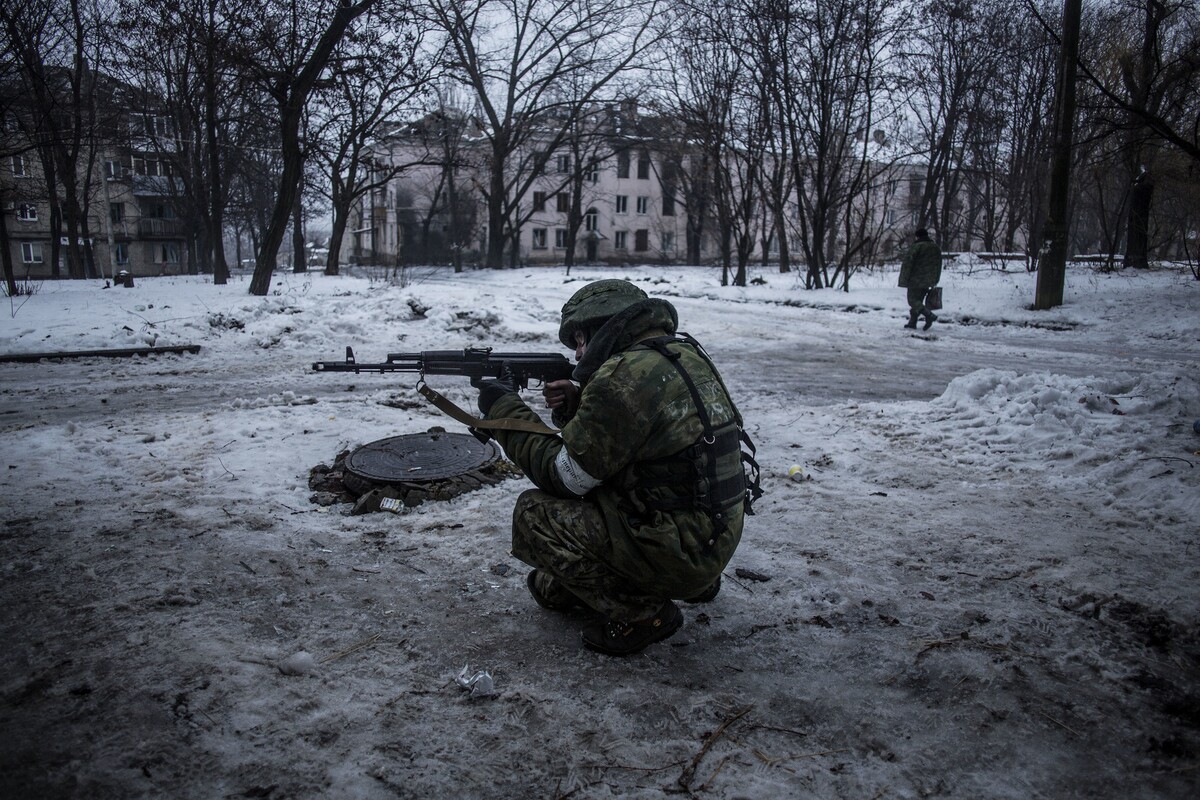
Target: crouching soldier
x=641, y=500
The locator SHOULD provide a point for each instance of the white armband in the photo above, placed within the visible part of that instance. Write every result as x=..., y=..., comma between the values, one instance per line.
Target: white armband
x=573, y=476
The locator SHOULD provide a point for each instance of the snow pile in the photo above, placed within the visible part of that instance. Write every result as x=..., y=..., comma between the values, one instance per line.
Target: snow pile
x=1127, y=437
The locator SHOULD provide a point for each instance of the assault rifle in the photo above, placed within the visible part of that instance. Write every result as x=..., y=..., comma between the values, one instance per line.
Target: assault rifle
x=477, y=363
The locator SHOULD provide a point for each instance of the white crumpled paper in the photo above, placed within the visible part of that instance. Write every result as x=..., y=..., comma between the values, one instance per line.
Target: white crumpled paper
x=480, y=684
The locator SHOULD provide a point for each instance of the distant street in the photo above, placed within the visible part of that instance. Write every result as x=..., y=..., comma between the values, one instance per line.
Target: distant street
x=798, y=353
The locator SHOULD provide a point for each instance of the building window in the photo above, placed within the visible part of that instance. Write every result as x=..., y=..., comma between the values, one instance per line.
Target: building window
x=147, y=125
x=623, y=165
x=564, y=202
x=621, y=240
x=170, y=253
x=591, y=220
x=112, y=170
x=622, y=204
x=560, y=238
x=539, y=238
x=159, y=211
x=641, y=241
x=116, y=212
x=144, y=164
x=121, y=253
x=27, y=212
x=668, y=242
x=18, y=167
x=643, y=203
x=668, y=205
x=539, y=201
x=564, y=164
x=593, y=172
x=644, y=167
x=31, y=252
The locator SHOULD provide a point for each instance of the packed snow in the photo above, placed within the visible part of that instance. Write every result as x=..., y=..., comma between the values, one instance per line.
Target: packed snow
x=979, y=582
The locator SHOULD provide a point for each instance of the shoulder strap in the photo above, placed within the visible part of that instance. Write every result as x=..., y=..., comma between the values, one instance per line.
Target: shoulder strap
x=753, y=480
x=448, y=408
x=659, y=344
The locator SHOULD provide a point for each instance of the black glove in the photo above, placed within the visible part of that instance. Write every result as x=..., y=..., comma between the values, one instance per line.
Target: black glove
x=491, y=391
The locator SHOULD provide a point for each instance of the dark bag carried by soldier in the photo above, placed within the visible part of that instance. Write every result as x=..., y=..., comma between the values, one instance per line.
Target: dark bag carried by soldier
x=933, y=298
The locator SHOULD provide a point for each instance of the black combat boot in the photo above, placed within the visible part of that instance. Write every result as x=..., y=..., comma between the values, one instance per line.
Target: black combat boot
x=616, y=638
x=912, y=318
x=930, y=318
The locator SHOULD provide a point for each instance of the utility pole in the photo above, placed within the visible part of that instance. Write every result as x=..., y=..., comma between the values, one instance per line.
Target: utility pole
x=1052, y=269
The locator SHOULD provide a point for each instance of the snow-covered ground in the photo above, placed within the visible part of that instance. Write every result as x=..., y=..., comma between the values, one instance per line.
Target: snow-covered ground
x=987, y=587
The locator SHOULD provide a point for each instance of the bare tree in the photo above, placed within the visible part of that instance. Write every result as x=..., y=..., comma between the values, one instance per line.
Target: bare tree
x=1139, y=101
x=1165, y=54
x=176, y=52
x=835, y=97
x=376, y=72
x=56, y=46
x=285, y=47
x=512, y=54
x=696, y=133
x=12, y=144
x=955, y=58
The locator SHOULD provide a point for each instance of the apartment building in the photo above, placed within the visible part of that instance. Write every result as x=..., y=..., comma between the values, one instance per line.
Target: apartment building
x=632, y=193
x=128, y=197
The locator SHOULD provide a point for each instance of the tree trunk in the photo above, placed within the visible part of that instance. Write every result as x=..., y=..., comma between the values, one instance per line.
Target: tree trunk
x=336, y=235
x=292, y=98
x=785, y=251
x=216, y=197
x=10, y=282
x=289, y=185
x=299, y=252
x=455, y=233
x=1052, y=270
x=1137, y=239
x=496, y=237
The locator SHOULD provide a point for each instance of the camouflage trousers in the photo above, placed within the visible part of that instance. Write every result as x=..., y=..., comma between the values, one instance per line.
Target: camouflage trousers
x=568, y=540
x=916, y=302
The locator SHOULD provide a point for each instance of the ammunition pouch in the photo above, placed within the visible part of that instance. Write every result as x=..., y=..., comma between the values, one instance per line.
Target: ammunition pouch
x=714, y=474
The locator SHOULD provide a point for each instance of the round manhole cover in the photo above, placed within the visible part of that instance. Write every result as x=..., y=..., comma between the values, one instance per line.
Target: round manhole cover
x=420, y=458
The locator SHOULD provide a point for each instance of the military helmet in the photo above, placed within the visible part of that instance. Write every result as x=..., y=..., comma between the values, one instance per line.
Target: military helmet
x=592, y=305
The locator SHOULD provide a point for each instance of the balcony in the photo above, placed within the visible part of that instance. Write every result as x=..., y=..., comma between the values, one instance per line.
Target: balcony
x=158, y=228
x=156, y=186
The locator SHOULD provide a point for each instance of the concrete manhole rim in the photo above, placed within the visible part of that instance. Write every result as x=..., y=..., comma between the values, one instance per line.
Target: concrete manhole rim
x=419, y=458
x=334, y=484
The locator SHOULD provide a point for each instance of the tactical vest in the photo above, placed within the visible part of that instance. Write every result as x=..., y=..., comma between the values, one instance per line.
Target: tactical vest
x=714, y=474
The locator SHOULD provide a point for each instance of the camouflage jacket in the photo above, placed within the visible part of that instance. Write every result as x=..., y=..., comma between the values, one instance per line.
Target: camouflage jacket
x=635, y=411
x=922, y=265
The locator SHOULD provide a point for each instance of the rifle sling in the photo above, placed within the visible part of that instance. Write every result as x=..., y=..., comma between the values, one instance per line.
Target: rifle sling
x=449, y=409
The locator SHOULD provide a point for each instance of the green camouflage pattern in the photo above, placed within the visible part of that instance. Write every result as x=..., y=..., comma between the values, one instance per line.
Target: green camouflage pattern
x=635, y=409
x=569, y=540
x=595, y=303
x=922, y=266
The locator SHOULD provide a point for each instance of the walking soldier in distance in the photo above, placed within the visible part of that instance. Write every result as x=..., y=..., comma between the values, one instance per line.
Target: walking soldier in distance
x=920, y=271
